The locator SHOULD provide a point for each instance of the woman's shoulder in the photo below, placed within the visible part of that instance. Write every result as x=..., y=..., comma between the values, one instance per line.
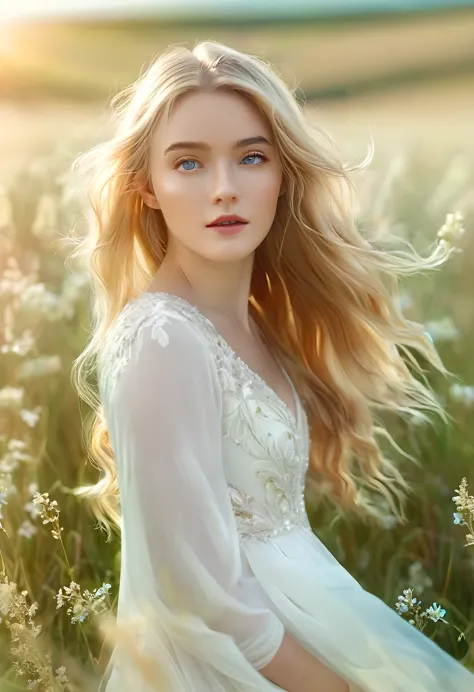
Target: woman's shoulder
x=160, y=318
x=162, y=313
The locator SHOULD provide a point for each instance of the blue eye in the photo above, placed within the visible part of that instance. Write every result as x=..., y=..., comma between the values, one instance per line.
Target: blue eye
x=187, y=161
x=252, y=156
x=249, y=156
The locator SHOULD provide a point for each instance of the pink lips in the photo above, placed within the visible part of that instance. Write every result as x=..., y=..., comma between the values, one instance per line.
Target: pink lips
x=228, y=224
x=230, y=229
x=228, y=217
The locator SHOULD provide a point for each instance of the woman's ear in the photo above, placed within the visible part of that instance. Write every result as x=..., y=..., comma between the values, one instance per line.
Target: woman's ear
x=149, y=198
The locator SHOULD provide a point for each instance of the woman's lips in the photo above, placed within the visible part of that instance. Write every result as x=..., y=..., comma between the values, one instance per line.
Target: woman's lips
x=229, y=229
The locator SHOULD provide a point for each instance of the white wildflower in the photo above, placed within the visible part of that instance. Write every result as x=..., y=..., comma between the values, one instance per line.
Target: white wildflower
x=406, y=601
x=6, y=483
x=33, y=510
x=33, y=296
x=27, y=658
x=442, y=330
x=30, y=507
x=8, y=464
x=21, y=346
x=435, y=612
x=464, y=394
x=60, y=675
x=14, y=456
x=11, y=397
x=452, y=231
x=82, y=605
x=31, y=417
x=36, y=298
x=465, y=510
x=49, y=513
x=39, y=367
x=409, y=605
x=18, y=449
x=32, y=489
x=27, y=529
x=16, y=445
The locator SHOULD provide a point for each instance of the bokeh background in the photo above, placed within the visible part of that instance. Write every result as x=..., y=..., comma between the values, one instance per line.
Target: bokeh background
x=400, y=73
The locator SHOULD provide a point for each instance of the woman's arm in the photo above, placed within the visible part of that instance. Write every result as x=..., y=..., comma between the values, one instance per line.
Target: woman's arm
x=295, y=670
x=165, y=424
x=164, y=412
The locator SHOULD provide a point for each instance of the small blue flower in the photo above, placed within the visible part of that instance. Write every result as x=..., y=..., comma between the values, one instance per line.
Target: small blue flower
x=403, y=608
x=458, y=518
x=80, y=617
x=102, y=591
x=435, y=612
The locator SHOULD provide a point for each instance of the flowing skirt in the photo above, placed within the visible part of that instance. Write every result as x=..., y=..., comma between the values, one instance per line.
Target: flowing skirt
x=323, y=607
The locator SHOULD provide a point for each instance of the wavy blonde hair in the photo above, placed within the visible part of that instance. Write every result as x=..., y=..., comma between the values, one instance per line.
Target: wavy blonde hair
x=325, y=297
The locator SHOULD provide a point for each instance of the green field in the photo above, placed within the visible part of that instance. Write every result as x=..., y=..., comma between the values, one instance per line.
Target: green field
x=325, y=59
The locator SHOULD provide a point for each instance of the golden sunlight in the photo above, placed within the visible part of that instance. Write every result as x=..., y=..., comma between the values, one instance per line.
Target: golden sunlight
x=7, y=41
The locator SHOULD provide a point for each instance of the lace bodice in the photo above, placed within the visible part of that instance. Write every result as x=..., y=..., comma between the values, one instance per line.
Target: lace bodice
x=264, y=445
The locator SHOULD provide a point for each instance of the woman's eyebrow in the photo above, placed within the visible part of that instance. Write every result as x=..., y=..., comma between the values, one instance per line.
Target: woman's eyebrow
x=205, y=147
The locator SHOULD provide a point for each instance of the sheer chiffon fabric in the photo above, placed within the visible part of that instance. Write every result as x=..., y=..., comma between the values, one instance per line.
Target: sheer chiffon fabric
x=218, y=558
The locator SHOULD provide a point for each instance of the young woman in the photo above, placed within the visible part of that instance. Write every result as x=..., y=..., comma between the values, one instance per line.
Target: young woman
x=245, y=333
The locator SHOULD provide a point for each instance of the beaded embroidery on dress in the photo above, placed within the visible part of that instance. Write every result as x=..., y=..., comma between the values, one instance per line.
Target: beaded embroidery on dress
x=216, y=542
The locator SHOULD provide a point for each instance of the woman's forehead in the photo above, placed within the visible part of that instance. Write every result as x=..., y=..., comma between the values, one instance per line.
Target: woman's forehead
x=214, y=118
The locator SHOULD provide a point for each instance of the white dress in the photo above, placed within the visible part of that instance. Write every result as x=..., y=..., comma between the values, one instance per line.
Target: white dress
x=217, y=552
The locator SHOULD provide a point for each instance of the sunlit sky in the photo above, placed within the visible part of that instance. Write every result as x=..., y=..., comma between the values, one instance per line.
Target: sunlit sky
x=12, y=9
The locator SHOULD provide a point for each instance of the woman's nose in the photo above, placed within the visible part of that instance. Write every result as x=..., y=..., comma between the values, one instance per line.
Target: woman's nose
x=224, y=183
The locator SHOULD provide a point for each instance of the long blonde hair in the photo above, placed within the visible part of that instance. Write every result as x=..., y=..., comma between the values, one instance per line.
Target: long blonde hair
x=325, y=297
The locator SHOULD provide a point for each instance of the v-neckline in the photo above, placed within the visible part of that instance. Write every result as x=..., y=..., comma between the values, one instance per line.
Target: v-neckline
x=293, y=416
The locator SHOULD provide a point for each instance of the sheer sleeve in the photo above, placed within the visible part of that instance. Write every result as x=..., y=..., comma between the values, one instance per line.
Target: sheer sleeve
x=164, y=421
